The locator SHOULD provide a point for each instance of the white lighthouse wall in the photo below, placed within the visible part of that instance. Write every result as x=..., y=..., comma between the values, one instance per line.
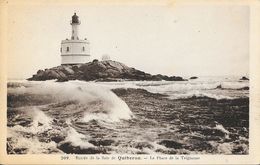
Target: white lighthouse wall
x=75, y=47
x=75, y=54
x=74, y=59
x=75, y=32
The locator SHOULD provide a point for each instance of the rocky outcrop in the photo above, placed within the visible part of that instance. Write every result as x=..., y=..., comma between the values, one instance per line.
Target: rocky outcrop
x=98, y=71
x=193, y=77
x=244, y=78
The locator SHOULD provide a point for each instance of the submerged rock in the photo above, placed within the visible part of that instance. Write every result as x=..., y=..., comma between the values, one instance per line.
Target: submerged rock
x=99, y=71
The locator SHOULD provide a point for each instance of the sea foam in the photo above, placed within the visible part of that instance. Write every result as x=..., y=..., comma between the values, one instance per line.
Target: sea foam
x=221, y=89
x=99, y=102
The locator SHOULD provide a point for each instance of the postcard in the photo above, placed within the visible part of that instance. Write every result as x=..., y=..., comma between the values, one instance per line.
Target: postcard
x=129, y=82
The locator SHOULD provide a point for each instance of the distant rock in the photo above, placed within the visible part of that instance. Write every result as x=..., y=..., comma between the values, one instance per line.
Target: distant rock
x=99, y=71
x=244, y=78
x=193, y=77
x=219, y=87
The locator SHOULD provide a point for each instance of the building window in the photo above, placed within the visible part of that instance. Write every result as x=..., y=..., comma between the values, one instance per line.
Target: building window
x=68, y=49
x=72, y=37
x=83, y=49
x=61, y=50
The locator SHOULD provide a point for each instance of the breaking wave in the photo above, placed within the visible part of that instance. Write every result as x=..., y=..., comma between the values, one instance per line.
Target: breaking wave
x=176, y=85
x=99, y=103
x=198, y=94
x=181, y=90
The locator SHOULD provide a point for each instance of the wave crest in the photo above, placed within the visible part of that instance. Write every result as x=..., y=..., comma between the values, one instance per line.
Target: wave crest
x=99, y=103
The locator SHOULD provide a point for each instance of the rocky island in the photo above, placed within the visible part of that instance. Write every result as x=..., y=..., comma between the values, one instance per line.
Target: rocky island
x=98, y=71
x=244, y=78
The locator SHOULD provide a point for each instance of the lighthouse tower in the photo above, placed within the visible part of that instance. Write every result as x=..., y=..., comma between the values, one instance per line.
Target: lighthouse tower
x=75, y=51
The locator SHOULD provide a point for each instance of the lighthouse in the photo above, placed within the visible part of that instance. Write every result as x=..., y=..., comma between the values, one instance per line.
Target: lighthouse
x=75, y=50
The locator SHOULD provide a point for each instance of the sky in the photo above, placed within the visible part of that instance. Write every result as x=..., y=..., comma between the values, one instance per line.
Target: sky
x=181, y=40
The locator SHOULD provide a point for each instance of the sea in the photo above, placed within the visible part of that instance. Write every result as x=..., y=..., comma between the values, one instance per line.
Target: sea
x=207, y=115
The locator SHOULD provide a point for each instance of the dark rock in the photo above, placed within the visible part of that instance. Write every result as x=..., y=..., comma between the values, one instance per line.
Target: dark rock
x=99, y=71
x=212, y=132
x=68, y=148
x=40, y=124
x=128, y=91
x=203, y=146
x=63, y=79
x=141, y=152
x=166, y=151
x=95, y=60
x=175, y=78
x=193, y=77
x=40, y=72
x=219, y=87
x=234, y=137
x=141, y=145
x=244, y=88
x=9, y=147
x=108, y=80
x=57, y=138
x=20, y=150
x=238, y=150
x=23, y=123
x=244, y=78
x=171, y=144
x=100, y=142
